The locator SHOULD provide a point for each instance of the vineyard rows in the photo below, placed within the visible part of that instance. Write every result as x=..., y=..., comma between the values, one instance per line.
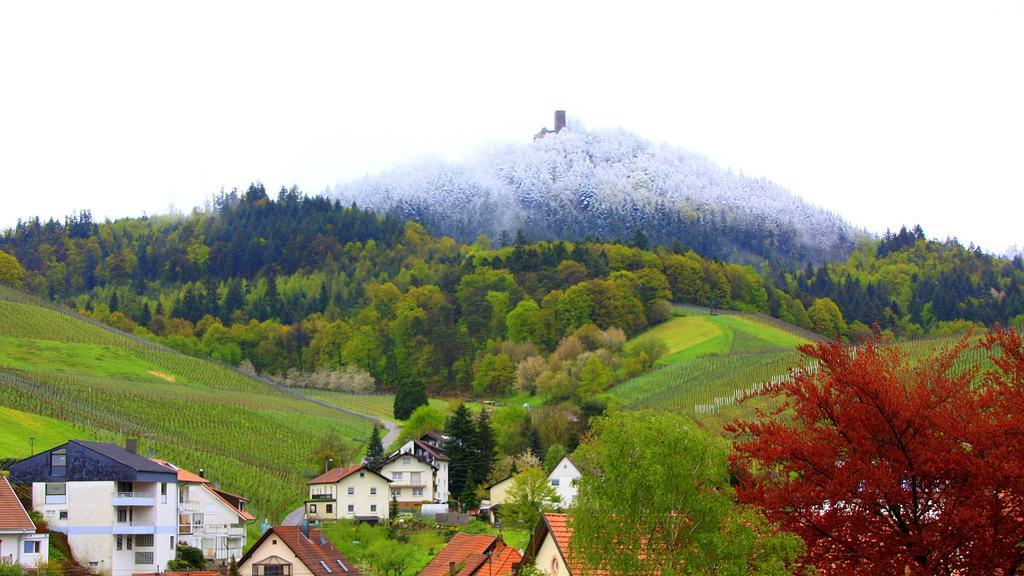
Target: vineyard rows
x=253, y=438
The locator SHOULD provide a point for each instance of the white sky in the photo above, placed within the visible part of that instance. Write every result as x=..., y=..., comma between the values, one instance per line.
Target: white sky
x=885, y=112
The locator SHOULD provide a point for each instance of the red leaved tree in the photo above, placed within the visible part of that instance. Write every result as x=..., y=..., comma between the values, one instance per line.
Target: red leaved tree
x=887, y=467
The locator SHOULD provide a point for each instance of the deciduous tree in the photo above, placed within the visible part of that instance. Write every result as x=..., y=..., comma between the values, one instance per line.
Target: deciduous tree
x=885, y=466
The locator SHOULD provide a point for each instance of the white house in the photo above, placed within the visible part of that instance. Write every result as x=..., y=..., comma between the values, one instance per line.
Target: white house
x=563, y=479
x=412, y=478
x=354, y=492
x=209, y=518
x=19, y=541
x=118, y=509
x=294, y=551
x=430, y=449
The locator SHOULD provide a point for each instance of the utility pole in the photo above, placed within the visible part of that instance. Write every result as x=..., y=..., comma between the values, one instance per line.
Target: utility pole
x=32, y=445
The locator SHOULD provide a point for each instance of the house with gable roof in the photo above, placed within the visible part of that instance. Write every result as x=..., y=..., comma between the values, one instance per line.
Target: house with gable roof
x=429, y=448
x=208, y=518
x=19, y=541
x=295, y=551
x=474, y=555
x=353, y=492
x=563, y=478
x=118, y=509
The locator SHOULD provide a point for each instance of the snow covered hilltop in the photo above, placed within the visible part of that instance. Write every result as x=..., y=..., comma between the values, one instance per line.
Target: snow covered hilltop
x=574, y=184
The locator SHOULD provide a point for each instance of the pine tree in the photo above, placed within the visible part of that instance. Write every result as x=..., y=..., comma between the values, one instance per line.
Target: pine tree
x=462, y=450
x=233, y=300
x=113, y=303
x=145, y=315
x=484, y=448
x=375, y=450
x=410, y=396
x=233, y=567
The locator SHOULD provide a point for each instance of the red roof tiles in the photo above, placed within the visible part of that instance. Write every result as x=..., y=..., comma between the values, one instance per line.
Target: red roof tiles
x=12, y=514
x=310, y=550
x=474, y=555
x=339, y=474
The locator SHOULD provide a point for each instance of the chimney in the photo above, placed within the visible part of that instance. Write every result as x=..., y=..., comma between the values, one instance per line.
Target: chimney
x=559, y=120
x=451, y=568
x=132, y=445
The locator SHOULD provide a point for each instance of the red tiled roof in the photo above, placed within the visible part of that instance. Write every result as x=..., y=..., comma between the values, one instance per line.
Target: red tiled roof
x=460, y=550
x=498, y=563
x=339, y=474
x=12, y=513
x=311, y=551
x=183, y=475
x=557, y=525
x=186, y=476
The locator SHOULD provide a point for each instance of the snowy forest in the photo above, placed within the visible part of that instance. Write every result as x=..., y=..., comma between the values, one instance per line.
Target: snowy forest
x=607, y=185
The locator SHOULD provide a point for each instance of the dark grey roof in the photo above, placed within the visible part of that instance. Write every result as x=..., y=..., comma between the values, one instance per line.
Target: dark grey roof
x=119, y=454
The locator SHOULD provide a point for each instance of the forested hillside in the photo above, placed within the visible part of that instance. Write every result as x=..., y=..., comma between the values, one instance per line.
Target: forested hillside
x=578, y=184
x=337, y=297
x=913, y=286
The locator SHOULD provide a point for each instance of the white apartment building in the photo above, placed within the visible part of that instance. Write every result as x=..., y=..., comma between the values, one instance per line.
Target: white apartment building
x=412, y=478
x=430, y=449
x=118, y=509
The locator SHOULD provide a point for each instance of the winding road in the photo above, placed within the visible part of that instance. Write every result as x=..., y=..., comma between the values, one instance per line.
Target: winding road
x=294, y=518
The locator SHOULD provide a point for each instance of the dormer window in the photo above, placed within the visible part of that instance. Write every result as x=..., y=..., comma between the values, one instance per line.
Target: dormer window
x=59, y=462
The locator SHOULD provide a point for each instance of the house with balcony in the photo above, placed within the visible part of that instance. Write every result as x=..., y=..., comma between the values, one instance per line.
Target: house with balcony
x=19, y=541
x=429, y=448
x=294, y=551
x=353, y=492
x=412, y=478
x=209, y=518
x=118, y=509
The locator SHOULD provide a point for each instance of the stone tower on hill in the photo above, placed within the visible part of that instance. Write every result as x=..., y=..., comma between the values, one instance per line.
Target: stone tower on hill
x=559, y=124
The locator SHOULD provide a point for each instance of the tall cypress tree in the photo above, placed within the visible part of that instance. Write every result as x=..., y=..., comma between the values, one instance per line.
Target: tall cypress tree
x=462, y=451
x=410, y=396
x=375, y=450
x=484, y=448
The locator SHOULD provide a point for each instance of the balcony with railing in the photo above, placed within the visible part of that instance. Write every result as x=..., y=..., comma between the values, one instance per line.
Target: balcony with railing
x=134, y=527
x=132, y=499
x=189, y=506
x=228, y=530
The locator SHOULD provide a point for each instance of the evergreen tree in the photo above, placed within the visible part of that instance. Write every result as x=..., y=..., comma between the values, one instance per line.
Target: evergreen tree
x=410, y=396
x=145, y=315
x=462, y=451
x=485, y=447
x=375, y=450
x=233, y=300
x=113, y=303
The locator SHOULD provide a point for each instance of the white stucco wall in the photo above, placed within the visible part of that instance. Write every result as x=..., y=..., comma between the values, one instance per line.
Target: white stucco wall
x=362, y=500
x=213, y=536
x=91, y=519
x=273, y=546
x=407, y=465
x=548, y=560
x=565, y=475
x=12, y=546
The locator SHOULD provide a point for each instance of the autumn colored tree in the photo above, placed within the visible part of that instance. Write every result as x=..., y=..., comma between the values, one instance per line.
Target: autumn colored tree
x=885, y=466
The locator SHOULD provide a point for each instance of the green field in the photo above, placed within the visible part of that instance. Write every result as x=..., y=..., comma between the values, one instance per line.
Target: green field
x=21, y=430
x=253, y=438
x=379, y=405
x=710, y=359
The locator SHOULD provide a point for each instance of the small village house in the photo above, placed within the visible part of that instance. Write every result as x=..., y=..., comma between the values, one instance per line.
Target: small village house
x=474, y=555
x=352, y=492
x=412, y=478
x=20, y=543
x=564, y=478
x=209, y=518
x=294, y=551
x=428, y=448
